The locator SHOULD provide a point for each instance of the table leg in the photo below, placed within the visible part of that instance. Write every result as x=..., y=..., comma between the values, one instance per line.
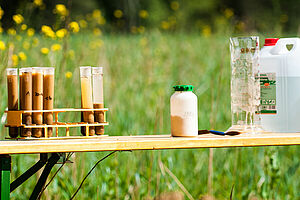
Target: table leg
x=5, y=169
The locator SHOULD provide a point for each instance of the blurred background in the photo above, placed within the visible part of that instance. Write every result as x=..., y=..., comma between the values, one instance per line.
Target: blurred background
x=128, y=16
x=146, y=47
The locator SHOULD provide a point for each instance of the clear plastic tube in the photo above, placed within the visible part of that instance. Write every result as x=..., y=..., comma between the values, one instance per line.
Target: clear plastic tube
x=86, y=96
x=98, y=97
x=37, y=99
x=13, y=97
x=26, y=98
x=48, y=97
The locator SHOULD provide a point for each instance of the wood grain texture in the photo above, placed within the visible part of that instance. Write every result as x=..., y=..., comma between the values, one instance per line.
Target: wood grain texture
x=146, y=142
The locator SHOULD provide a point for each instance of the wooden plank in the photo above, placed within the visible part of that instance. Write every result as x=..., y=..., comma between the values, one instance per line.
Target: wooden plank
x=67, y=125
x=147, y=142
x=58, y=110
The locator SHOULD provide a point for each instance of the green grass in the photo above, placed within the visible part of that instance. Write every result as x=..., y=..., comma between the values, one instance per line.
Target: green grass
x=139, y=74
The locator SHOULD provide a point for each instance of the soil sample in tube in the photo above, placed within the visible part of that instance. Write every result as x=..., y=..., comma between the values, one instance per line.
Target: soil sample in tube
x=48, y=94
x=26, y=99
x=13, y=96
x=98, y=97
x=37, y=99
x=86, y=96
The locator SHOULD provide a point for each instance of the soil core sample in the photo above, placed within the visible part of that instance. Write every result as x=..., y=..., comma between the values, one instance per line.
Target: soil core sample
x=98, y=97
x=99, y=117
x=13, y=97
x=86, y=97
x=48, y=94
x=26, y=99
x=37, y=99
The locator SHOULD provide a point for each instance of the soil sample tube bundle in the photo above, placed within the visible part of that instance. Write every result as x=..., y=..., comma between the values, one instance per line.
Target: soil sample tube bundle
x=48, y=94
x=86, y=96
x=98, y=97
x=13, y=96
x=26, y=99
x=37, y=99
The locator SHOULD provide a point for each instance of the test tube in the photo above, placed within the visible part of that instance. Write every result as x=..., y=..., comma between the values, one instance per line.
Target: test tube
x=13, y=97
x=48, y=94
x=86, y=97
x=98, y=101
x=37, y=99
x=26, y=99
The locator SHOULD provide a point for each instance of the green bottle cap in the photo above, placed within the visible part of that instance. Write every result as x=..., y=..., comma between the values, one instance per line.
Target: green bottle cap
x=183, y=87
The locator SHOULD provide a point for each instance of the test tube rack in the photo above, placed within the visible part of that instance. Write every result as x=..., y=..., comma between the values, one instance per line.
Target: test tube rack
x=14, y=119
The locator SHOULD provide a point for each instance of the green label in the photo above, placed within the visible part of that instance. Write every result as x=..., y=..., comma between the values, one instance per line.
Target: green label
x=268, y=93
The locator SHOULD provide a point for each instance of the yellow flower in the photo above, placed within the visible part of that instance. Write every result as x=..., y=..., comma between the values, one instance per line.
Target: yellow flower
x=18, y=18
x=55, y=47
x=240, y=26
x=1, y=13
x=15, y=59
x=30, y=32
x=101, y=20
x=11, y=31
x=74, y=27
x=165, y=25
x=61, y=33
x=71, y=53
x=133, y=29
x=143, y=14
x=1, y=29
x=143, y=41
x=97, y=31
x=2, y=45
x=22, y=56
x=44, y=50
x=68, y=74
x=99, y=43
x=206, y=31
x=96, y=44
x=26, y=45
x=118, y=14
x=82, y=23
x=61, y=10
x=96, y=14
x=174, y=5
x=284, y=18
x=35, y=42
x=18, y=37
x=228, y=13
x=38, y=2
x=23, y=27
x=141, y=29
x=47, y=30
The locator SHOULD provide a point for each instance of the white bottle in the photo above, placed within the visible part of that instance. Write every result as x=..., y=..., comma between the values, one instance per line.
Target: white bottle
x=184, y=111
x=280, y=86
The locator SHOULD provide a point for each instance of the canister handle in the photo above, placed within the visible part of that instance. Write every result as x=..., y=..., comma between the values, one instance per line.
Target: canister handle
x=280, y=47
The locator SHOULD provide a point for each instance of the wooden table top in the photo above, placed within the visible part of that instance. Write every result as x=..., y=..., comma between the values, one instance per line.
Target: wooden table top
x=145, y=142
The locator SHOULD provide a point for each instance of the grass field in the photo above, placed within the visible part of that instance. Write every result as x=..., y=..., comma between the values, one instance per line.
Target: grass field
x=140, y=71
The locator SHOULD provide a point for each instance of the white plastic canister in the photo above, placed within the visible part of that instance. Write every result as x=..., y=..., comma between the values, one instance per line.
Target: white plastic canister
x=280, y=86
x=184, y=115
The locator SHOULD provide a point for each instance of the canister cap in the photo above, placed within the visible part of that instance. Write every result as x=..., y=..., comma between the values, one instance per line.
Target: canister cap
x=271, y=41
x=183, y=87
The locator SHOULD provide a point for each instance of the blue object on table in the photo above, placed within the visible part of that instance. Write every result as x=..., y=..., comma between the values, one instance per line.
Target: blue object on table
x=217, y=132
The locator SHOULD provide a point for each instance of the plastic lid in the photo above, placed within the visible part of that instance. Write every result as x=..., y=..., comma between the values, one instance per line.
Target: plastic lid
x=85, y=71
x=12, y=71
x=38, y=70
x=97, y=70
x=183, y=87
x=49, y=70
x=271, y=41
x=25, y=70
